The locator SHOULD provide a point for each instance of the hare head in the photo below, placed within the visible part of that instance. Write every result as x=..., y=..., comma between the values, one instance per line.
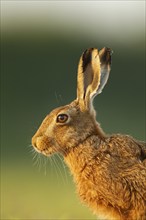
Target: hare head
x=67, y=126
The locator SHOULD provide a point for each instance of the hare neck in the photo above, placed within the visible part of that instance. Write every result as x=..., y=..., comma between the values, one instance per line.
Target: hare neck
x=82, y=155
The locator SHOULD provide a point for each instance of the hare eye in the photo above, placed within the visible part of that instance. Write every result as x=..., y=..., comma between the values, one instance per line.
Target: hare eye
x=62, y=118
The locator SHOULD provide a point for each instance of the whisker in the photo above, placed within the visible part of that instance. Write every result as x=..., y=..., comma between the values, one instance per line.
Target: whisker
x=35, y=155
x=64, y=167
x=50, y=161
x=55, y=166
x=37, y=160
x=45, y=164
x=55, y=161
x=41, y=162
x=30, y=148
x=58, y=166
x=56, y=96
x=60, y=97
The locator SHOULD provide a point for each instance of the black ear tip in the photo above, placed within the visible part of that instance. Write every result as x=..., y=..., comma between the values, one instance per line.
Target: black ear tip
x=108, y=55
x=105, y=55
x=109, y=50
x=87, y=53
x=86, y=57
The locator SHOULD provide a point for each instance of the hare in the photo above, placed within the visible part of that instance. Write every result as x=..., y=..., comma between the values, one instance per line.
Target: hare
x=109, y=171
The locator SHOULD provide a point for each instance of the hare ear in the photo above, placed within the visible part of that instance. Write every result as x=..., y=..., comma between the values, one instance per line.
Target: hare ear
x=105, y=65
x=93, y=73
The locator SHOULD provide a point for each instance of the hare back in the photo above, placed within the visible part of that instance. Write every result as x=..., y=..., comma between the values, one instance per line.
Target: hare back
x=126, y=146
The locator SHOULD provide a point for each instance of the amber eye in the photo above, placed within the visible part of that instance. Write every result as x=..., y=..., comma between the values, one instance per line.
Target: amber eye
x=62, y=118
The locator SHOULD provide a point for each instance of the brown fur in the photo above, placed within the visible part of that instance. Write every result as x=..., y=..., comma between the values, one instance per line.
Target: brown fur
x=109, y=171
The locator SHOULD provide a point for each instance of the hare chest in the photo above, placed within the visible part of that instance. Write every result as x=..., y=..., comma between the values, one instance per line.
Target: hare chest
x=92, y=194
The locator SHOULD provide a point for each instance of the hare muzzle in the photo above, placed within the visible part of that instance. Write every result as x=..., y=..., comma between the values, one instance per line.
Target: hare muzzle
x=43, y=144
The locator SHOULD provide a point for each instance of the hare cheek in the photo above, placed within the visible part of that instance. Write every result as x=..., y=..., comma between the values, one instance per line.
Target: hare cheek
x=49, y=130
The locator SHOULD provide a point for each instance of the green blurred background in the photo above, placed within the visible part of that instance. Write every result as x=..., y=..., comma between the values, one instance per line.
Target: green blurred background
x=41, y=42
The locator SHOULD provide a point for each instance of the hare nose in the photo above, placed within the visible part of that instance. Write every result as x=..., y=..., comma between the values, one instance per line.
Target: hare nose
x=34, y=144
x=33, y=141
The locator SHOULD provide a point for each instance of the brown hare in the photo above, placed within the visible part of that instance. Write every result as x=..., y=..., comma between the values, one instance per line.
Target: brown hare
x=109, y=171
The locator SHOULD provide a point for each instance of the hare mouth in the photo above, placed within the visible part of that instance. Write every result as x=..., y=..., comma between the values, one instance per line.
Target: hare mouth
x=46, y=152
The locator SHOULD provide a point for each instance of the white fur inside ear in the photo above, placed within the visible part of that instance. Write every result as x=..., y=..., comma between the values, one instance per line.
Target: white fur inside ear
x=105, y=70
